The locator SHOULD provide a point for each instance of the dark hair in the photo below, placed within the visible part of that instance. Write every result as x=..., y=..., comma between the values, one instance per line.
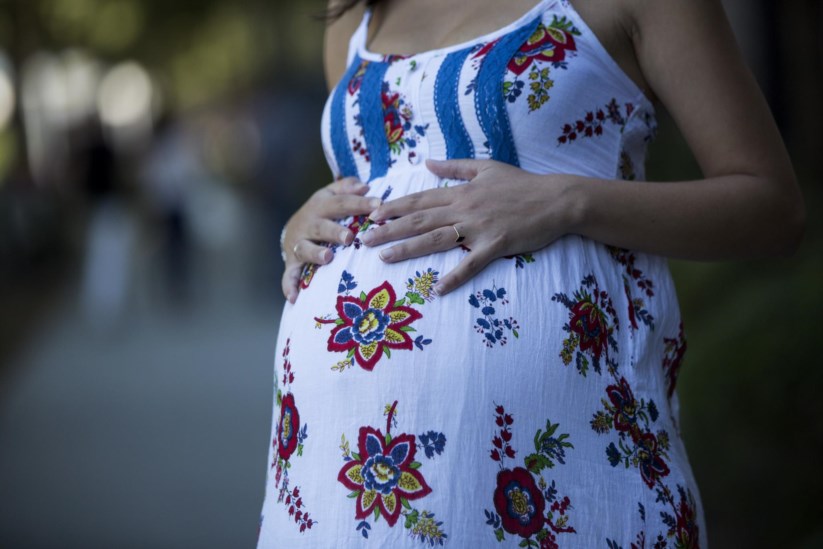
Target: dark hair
x=342, y=6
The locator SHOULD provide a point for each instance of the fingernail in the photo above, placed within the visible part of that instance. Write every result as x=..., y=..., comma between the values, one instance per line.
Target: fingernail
x=373, y=217
x=292, y=297
x=374, y=203
x=436, y=290
x=359, y=185
x=345, y=237
x=367, y=238
x=387, y=254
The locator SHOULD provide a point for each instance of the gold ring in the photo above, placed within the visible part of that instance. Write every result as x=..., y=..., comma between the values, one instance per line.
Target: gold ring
x=460, y=238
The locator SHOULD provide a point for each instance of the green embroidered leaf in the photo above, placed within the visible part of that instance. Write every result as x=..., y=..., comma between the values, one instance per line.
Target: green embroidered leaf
x=542, y=534
x=354, y=494
x=351, y=353
x=279, y=397
x=387, y=351
x=537, y=462
x=515, y=333
x=414, y=297
x=399, y=302
x=338, y=322
x=499, y=534
x=376, y=513
x=363, y=296
x=405, y=503
x=407, y=329
x=356, y=456
x=299, y=449
x=388, y=438
x=415, y=465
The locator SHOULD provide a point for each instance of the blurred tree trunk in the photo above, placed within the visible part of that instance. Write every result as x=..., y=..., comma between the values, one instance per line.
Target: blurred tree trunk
x=801, y=82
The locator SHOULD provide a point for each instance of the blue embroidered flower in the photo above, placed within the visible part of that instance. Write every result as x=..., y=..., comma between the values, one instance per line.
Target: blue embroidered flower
x=433, y=443
x=369, y=326
x=492, y=328
x=380, y=474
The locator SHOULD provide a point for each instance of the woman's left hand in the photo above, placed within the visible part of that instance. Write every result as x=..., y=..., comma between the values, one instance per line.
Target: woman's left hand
x=502, y=211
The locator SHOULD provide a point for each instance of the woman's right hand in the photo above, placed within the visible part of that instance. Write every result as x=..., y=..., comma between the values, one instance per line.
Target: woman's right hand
x=314, y=225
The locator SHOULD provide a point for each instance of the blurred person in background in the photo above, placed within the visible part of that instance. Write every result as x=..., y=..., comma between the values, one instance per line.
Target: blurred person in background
x=482, y=338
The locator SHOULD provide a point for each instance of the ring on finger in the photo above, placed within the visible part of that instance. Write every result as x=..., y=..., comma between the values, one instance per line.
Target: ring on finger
x=460, y=238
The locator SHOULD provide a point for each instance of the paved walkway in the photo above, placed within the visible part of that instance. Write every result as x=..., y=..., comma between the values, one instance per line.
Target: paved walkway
x=146, y=431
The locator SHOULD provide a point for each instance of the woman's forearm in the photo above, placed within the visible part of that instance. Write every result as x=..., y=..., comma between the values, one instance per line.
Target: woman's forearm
x=724, y=217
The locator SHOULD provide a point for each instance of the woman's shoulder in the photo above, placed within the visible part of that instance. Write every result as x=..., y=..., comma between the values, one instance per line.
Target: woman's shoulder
x=336, y=43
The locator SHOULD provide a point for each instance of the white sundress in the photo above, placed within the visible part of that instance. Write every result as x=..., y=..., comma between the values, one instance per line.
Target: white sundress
x=535, y=405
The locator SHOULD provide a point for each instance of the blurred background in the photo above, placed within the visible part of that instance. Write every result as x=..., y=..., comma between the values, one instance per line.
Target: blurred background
x=150, y=152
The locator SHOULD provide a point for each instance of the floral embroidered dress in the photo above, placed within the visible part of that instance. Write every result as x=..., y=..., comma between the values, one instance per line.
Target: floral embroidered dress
x=533, y=407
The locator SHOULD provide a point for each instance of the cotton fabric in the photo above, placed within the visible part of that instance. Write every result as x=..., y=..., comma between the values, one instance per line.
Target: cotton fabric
x=535, y=405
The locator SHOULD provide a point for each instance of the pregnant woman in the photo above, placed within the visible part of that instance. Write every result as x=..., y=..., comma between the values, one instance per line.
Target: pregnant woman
x=482, y=338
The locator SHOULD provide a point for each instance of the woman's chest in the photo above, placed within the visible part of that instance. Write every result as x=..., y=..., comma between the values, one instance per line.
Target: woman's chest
x=540, y=88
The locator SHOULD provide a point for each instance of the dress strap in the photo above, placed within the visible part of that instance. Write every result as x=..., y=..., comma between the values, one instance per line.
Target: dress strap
x=358, y=39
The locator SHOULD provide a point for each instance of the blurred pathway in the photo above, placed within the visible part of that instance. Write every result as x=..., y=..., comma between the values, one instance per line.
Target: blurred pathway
x=151, y=431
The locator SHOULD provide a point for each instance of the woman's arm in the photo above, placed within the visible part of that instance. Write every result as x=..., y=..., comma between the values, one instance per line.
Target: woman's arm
x=314, y=225
x=748, y=205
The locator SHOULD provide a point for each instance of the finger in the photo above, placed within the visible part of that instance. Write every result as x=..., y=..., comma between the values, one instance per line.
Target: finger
x=430, y=198
x=326, y=230
x=473, y=263
x=291, y=280
x=415, y=223
x=438, y=240
x=467, y=168
x=343, y=205
x=306, y=251
x=347, y=185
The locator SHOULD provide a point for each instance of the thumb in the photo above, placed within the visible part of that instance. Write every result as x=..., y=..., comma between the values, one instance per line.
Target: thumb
x=465, y=168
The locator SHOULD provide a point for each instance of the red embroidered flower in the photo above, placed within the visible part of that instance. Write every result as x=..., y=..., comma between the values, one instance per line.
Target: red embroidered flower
x=393, y=122
x=357, y=78
x=383, y=475
x=549, y=542
x=519, y=502
x=650, y=462
x=485, y=49
x=625, y=413
x=287, y=427
x=308, y=273
x=589, y=322
x=545, y=44
x=673, y=359
x=687, y=529
x=371, y=325
x=630, y=301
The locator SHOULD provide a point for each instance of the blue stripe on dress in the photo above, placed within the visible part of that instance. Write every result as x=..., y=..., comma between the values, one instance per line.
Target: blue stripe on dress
x=447, y=106
x=339, y=136
x=371, y=116
x=489, y=101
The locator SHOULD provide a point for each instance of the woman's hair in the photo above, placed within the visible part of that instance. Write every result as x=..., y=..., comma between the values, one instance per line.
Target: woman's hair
x=342, y=6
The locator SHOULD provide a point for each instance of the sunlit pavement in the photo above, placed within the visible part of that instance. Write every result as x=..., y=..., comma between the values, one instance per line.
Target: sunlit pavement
x=149, y=430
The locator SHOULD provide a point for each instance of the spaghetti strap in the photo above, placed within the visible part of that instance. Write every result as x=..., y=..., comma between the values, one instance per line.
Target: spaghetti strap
x=358, y=39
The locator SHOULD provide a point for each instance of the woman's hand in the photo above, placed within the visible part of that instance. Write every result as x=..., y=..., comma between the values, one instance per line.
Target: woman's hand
x=313, y=225
x=502, y=211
